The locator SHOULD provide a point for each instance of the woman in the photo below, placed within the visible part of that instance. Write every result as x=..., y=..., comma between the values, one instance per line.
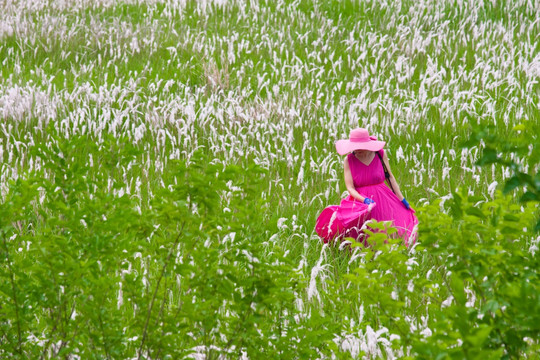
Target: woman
x=365, y=169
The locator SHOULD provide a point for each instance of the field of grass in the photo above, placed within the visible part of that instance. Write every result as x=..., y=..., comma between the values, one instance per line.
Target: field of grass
x=162, y=165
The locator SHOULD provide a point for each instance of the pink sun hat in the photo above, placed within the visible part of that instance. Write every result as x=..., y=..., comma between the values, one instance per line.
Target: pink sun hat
x=359, y=139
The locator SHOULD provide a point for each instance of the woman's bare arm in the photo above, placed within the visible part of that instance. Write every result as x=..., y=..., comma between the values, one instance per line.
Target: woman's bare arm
x=349, y=181
x=393, y=181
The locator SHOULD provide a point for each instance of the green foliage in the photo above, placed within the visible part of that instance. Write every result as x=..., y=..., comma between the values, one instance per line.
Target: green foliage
x=491, y=279
x=193, y=262
x=520, y=152
x=469, y=288
x=88, y=270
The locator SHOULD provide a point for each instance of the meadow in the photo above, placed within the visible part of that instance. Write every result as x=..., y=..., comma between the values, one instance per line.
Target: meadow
x=163, y=162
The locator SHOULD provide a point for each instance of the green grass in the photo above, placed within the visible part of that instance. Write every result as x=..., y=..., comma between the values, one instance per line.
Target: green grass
x=239, y=123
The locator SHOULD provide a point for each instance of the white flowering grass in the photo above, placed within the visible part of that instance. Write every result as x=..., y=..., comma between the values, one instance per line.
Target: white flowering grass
x=275, y=84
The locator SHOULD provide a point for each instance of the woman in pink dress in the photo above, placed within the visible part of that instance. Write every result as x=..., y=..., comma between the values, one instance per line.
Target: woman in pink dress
x=366, y=168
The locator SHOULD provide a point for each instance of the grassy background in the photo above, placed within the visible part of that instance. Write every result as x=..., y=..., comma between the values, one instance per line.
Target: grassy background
x=273, y=84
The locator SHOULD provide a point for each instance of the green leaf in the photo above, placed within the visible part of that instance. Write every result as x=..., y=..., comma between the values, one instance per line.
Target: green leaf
x=479, y=336
x=377, y=238
x=529, y=196
x=509, y=230
x=474, y=211
x=491, y=306
x=510, y=217
x=488, y=157
x=511, y=184
x=456, y=283
x=455, y=206
x=377, y=225
x=391, y=230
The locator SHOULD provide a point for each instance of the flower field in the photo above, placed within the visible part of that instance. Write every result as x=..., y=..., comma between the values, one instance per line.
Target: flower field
x=163, y=162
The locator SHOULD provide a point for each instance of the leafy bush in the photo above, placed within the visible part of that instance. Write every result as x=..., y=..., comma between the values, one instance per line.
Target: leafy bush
x=89, y=270
x=520, y=152
x=486, y=258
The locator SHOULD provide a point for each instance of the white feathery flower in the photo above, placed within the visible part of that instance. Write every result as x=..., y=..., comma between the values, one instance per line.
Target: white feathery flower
x=281, y=223
x=471, y=297
x=120, y=300
x=318, y=271
x=300, y=179
x=399, y=154
x=331, y=222
x=447, y=302
x=491, y=188
x=533, y=248
x=250, y=256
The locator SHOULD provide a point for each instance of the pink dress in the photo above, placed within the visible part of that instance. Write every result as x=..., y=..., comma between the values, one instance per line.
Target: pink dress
x=347, y=218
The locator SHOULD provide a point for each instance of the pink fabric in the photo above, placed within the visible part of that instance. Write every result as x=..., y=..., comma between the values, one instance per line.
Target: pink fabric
x=342, y=220
x=328, y=225
x=369, y=182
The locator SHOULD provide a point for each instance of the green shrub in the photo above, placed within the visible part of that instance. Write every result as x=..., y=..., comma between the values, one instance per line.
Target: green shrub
x=88, y=269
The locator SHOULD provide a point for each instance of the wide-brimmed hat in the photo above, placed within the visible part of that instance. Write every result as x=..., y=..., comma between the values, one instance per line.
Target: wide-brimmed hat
x=359, y=139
